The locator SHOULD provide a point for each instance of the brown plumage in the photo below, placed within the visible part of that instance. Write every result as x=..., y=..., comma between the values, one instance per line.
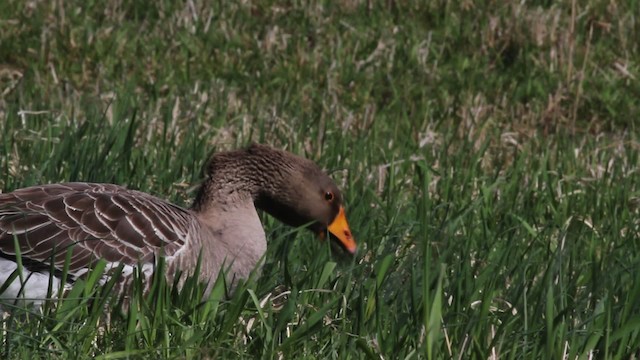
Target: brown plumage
x=126, y=227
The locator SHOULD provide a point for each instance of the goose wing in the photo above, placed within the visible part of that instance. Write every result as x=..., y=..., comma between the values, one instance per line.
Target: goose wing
x=92, y=221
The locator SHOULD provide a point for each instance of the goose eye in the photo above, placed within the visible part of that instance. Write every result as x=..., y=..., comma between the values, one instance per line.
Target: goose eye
x=328, y=196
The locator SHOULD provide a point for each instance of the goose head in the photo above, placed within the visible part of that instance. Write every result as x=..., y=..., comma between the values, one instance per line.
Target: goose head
x=291, y=188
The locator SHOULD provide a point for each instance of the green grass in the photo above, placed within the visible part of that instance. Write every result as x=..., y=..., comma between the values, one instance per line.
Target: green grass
x=488, y=154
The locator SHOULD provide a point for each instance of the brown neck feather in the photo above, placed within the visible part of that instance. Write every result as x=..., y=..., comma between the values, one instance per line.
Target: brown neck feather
x=242, y=175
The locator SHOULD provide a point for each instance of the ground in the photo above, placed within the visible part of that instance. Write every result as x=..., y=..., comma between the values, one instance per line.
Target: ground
x=487, y=151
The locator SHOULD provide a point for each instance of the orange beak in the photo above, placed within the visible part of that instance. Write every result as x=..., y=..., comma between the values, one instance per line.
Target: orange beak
x=340, y=229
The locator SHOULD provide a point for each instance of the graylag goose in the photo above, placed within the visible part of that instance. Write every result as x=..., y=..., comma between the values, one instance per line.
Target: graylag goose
x=129, y=228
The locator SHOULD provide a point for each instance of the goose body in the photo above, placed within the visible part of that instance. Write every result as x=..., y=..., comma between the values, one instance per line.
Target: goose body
x=86, y=222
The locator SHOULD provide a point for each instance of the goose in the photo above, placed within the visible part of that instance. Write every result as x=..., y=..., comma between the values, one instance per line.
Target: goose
x=77, y=224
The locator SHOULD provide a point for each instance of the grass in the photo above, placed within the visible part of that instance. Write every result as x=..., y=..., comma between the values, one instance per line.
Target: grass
x=487, y=152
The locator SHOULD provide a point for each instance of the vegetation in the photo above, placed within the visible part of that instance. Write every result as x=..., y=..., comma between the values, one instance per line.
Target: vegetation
x=488, y=153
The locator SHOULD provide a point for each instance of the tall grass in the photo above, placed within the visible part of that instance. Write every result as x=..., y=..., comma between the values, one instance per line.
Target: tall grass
x=487, y=154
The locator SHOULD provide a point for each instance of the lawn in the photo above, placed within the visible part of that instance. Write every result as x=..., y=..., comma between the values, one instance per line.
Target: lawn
x=487, y=151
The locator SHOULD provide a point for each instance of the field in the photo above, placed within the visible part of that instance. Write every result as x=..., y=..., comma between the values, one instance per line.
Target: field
x=488, y=153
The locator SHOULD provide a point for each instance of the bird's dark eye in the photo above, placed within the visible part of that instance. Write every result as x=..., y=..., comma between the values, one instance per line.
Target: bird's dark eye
x=328, y=196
